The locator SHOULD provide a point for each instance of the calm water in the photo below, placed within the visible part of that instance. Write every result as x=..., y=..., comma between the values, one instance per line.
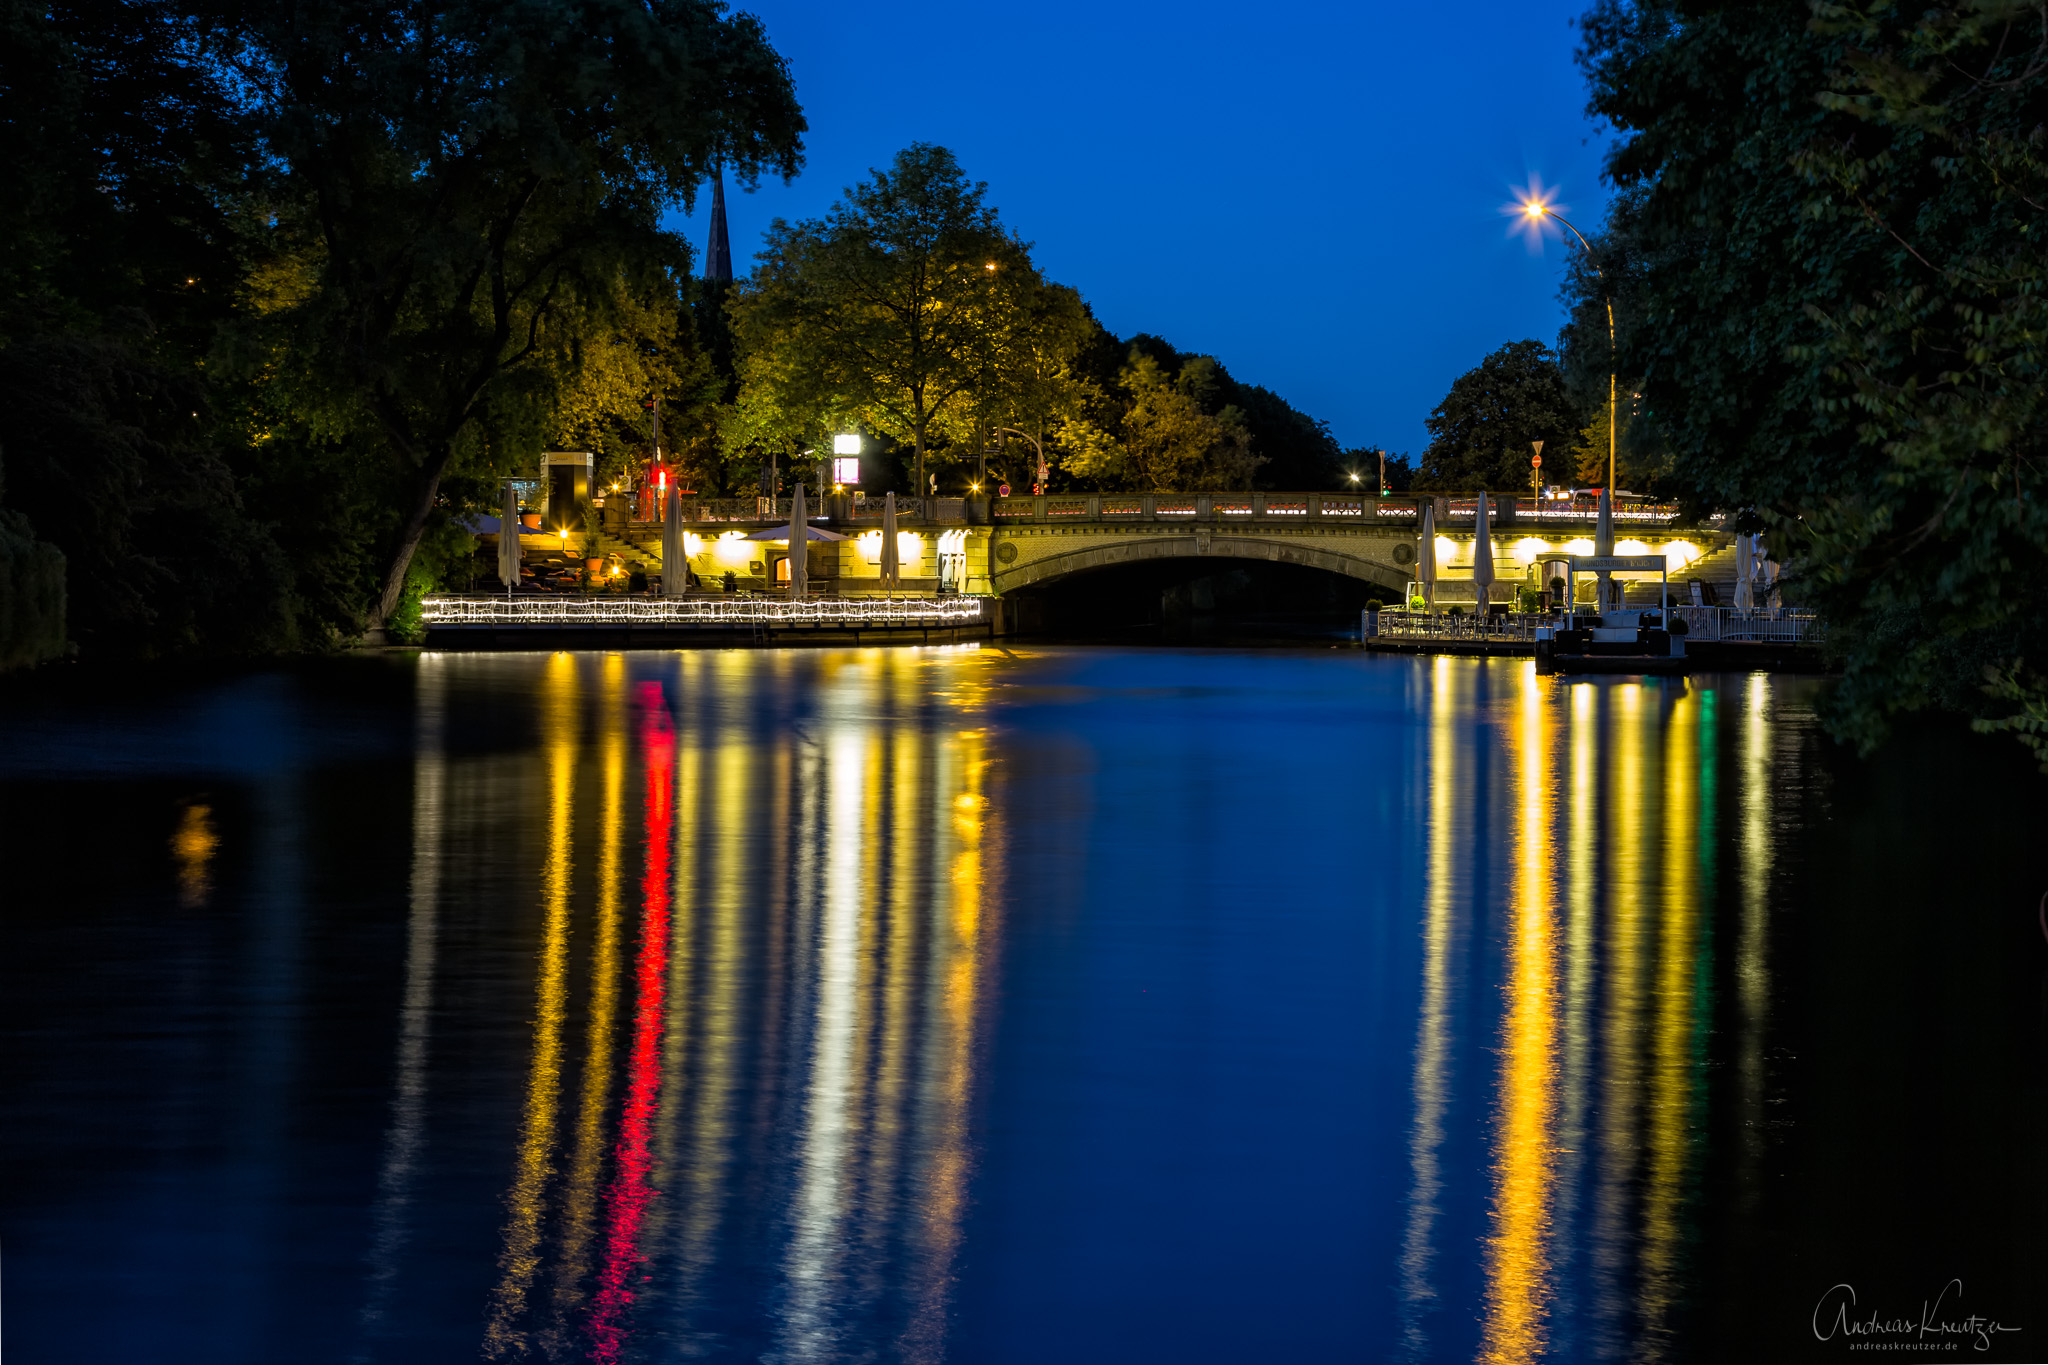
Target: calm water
x=1010, y=1006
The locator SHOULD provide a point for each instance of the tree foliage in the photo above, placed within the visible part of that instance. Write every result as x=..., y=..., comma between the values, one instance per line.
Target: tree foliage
x=1165, y=432
x=1480, y=434
x=908, y=309
x=461, y=197
x=1836, y=307
x=1256, y=437
x=311, y=276
x=118, y=260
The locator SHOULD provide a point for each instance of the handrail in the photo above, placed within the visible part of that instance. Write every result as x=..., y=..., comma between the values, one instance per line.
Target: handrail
x=1224, y=507
x=1761, y=626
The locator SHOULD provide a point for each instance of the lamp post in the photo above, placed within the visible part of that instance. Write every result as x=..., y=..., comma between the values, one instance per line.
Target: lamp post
x=1036, y=445
x=1537, y=211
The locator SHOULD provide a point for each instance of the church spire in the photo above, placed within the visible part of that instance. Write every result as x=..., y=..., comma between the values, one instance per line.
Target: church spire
x=718, y=252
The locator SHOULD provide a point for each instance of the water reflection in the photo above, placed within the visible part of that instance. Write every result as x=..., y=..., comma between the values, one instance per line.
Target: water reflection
x=1592, y=808
x=644, y=1006
x=743, y=951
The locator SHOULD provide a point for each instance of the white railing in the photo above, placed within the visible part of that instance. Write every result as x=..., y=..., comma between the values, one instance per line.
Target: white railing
x=1702, y=623
x=1762, y=626
x=1422, y=625
x=568, y=610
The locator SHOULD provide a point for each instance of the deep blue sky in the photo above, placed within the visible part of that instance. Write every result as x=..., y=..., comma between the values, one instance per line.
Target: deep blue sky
x=1309, y=192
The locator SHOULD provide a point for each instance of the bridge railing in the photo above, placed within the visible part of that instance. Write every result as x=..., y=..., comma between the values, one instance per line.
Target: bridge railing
x=1350, y=508
x=1353, y=509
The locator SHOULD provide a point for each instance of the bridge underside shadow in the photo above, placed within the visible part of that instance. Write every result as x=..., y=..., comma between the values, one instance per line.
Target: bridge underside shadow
x=1195, y=600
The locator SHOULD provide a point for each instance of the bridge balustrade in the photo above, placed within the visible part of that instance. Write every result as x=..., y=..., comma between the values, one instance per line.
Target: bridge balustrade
x=1230, y=507
x=1113, y=507
x=1452, y=509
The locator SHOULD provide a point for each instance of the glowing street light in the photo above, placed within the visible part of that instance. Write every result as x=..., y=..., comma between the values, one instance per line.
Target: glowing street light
x=846, y=458
x=1538, y=212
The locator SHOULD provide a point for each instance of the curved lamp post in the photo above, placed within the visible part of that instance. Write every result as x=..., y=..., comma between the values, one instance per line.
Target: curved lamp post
x=1537, y=211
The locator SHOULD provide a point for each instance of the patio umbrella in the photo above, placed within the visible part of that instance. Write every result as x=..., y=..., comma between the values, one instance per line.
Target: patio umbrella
x=799, y=545
x=1745, y=574
x=508, y=539
x=1482, y=555
x=1603, y=544
x=1425, y=555
x=675, y=567
x=892, y=570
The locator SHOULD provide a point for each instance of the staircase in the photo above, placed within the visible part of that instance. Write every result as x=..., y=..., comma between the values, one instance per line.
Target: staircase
x=1716, y=568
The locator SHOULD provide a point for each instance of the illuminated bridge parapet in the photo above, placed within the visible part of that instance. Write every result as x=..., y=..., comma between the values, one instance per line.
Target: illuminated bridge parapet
x=1352, y=509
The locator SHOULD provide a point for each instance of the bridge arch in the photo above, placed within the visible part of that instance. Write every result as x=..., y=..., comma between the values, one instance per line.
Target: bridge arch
x=1050, y=568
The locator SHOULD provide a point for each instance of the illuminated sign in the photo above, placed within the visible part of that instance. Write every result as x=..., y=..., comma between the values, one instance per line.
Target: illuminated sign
x=846, y=469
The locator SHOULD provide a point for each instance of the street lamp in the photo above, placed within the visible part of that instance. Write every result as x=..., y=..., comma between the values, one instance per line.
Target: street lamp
x=1039, y=485
x=846, y=458
x=1537, y=211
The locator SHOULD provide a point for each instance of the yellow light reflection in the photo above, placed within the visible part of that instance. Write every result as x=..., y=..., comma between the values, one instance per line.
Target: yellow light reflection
x=1518, y=1287
x=1669, y=1130
x=520, y=1258
x=1433, y=1041
x=1620, y=850
x=193, y=847
x=579, y=1226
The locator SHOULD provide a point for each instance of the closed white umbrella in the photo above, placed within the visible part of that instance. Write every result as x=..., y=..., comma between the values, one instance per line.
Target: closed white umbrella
x=799, y=545
x=675, y=567
x=892, y=569
x=508, y=539
x=1482, y=555
x=1603, y=544
x=1425, y=555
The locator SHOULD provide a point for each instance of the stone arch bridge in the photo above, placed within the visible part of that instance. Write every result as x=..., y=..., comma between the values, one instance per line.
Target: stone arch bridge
x=1004, y=545
x=1040, y=540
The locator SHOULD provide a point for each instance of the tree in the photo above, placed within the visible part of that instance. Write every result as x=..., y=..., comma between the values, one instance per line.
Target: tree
x=118, y=259
x=1164, y=439
x=1842, y=301
x=1480, y=434
x=908, y=308
x=459, y=195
